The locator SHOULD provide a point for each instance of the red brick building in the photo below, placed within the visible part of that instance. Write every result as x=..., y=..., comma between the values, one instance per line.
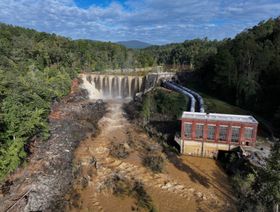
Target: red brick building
x=204, y=134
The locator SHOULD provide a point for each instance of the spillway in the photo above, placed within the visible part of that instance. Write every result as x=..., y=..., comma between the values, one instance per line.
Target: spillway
x=102, y=86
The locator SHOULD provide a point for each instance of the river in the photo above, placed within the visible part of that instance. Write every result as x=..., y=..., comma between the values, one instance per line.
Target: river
x=186, y=183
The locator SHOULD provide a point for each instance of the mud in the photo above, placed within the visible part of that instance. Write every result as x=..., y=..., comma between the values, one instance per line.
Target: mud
x=73, y=170
x=42, y=184
x=185, y=184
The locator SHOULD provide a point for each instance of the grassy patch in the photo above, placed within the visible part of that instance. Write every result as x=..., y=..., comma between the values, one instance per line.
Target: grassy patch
x=214, y=105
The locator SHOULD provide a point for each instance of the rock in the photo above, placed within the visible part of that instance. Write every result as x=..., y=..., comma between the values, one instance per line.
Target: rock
x=191, y=190
x=167, y=186
x=199, y=194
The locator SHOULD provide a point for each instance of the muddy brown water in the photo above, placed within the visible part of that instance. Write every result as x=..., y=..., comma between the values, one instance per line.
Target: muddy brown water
x=186, y=183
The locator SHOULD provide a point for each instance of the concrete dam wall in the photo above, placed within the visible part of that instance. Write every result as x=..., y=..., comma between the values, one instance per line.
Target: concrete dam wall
x=101, y=86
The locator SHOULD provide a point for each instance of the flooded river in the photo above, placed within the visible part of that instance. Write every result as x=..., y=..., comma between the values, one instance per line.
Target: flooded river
x=186, y=183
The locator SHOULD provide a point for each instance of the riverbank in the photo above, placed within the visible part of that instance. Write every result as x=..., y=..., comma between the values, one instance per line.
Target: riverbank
x=41, y=184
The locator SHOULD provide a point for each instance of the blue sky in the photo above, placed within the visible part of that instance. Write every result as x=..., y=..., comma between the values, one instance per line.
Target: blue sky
x=87, y=3
x=153, y=21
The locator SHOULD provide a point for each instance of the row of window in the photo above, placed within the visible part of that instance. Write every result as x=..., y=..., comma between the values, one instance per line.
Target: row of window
x=223, y=132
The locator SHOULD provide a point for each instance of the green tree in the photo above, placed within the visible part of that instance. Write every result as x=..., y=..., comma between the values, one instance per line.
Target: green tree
x=269, y=181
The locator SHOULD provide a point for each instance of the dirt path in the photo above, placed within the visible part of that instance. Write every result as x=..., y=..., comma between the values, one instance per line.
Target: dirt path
x=186, y=184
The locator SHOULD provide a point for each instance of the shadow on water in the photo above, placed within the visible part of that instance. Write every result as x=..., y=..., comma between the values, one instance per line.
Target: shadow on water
x=169, y=128
x=218, y=181
x=179, y=164
x=221, y=184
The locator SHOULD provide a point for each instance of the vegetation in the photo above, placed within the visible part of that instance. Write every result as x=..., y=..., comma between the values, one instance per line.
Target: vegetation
x=154, y=162
x=25, y=103
x=122, y=187
x=166, y=104
x=269, y=180
x=246, y=70
x=143, y=198
x=258, y=189
x=35, y=70
x=118, y=151
x=187, y=55
x=214, y=105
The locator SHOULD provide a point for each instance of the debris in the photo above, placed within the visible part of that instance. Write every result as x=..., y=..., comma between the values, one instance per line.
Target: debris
x=49, y=172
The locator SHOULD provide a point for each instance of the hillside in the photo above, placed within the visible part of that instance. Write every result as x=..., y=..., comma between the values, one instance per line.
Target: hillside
x=244, y=71
x=134, y=44
x=36, y=69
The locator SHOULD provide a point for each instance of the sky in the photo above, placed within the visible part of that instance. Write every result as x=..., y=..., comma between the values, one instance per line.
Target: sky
x=152, y=21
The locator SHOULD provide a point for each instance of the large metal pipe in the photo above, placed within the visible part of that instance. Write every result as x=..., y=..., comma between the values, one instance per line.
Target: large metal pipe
x=196, y=95
x=175, y=87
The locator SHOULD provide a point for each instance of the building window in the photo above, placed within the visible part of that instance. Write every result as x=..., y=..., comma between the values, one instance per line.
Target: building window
x=223, y=133
x=211, y=132
x=235, y=134
x=199, y=131
x=188, y=130
x=248, y=134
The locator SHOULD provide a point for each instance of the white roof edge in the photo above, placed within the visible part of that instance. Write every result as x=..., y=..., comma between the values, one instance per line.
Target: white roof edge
x=221, y=115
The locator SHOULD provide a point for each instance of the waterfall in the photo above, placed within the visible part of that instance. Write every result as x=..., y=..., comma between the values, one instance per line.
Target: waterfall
x=102, y=86
x=90, y=86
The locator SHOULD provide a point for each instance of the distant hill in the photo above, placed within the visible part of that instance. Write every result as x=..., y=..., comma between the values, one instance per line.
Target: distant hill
x=134, y=44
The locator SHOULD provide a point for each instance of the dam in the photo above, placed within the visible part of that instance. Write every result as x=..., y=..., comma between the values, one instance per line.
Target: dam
x=118, y=86
x=101, y=86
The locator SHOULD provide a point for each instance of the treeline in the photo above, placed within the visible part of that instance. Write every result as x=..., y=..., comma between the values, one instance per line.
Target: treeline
x=189, y=55
x=36, y=69
x=246, y=70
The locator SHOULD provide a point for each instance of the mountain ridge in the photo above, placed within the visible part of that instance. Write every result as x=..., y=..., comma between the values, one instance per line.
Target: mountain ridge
x=134, y=44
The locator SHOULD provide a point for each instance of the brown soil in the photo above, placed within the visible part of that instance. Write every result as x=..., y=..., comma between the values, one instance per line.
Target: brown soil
x=186, y=183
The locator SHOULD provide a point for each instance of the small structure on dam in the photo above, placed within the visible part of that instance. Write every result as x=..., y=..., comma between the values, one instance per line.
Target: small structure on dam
x=205, y=134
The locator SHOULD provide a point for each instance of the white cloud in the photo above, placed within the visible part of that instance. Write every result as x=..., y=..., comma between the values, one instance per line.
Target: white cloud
x=154, y=21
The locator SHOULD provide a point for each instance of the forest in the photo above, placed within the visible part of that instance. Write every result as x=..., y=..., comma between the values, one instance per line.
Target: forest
x=189, y=55
x=36, y=69
x=244, y=71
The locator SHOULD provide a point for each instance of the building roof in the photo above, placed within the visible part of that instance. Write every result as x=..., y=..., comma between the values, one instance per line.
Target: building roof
x=219, y=117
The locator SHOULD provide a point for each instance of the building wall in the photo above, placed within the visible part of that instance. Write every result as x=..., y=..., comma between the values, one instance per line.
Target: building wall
x=209, y=148
x=203, y=149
